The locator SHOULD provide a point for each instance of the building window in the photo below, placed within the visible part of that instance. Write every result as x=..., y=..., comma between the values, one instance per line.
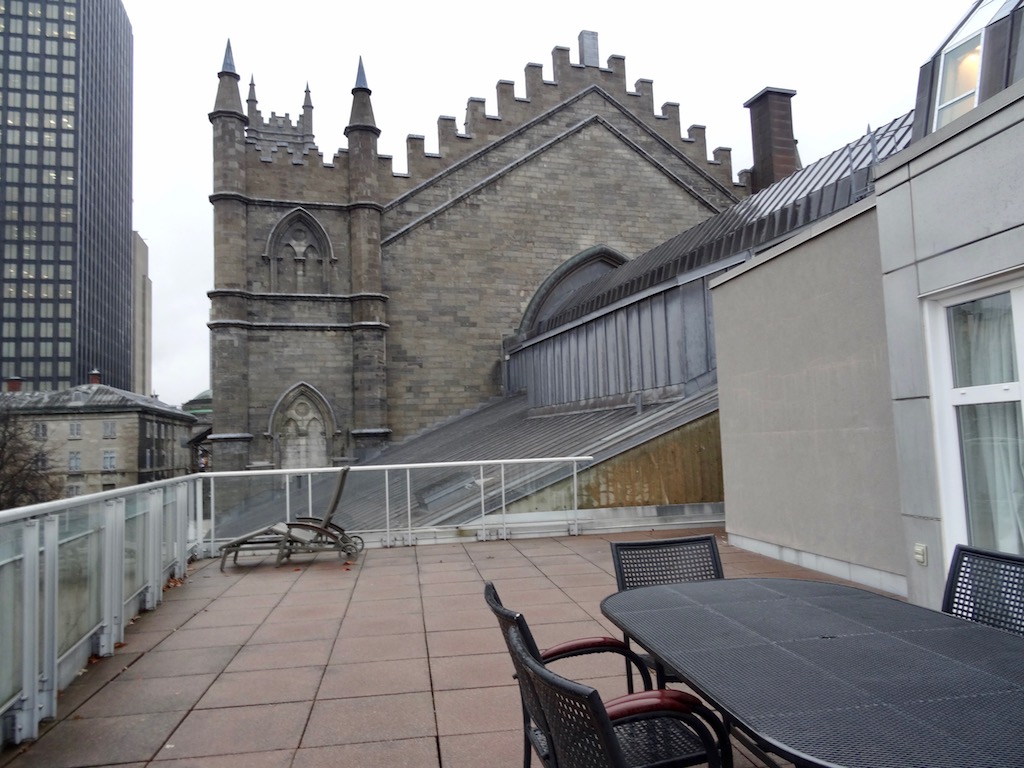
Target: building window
x=70, y=491
x=74, y=430
x=109, y=461
x=958, y=83
x=109, y=429
x=75, y=461
x=39, y=430
x=979, y=424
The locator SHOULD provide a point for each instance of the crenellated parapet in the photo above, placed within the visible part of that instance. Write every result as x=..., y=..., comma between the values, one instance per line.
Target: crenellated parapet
x=278, y=133
x=541, y=96
x=280, y=139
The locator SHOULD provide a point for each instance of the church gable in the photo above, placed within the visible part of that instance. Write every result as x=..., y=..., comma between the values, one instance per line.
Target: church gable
x=558, y=124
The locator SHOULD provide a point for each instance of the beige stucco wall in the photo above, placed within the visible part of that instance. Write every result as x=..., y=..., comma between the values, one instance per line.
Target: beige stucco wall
x=808, y=447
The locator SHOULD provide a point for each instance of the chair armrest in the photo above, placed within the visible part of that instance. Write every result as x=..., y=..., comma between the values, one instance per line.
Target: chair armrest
x=646, y=702
x=586, y=645
x=583, y=645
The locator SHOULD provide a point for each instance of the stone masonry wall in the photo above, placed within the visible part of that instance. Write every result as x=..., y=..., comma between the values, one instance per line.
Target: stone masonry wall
x=461, y=282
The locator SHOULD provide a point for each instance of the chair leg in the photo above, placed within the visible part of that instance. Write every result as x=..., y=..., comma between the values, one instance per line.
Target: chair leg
x=527, y=745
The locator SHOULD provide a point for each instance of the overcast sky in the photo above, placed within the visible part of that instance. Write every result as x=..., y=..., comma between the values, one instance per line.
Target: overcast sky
x=851, y=64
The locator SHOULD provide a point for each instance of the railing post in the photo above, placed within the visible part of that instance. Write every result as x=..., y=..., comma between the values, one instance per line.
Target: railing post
x=482, y=536
x=504, y=522
x=153, y=564
x=47, y=702
x=408, y=507
x=387, y=510
x=574, y=528
x=181, y=522
x=24, y=722
x=213, y=517
x=309, y=496
x=111, y=629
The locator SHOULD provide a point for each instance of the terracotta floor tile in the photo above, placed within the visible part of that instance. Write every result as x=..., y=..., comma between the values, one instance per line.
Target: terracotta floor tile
x=388, y=624
x=478, y=710
x=462, y=641
x=284, y=632
x=414, y=753
x=100, y=741
x=372, y=678
x=485, y=670
x=235, y=730
x=480, y=749
x=263, y=686
x=356, y=649
x=371, y=718
x=137, y=697
x=159, y=663
x=302, y=653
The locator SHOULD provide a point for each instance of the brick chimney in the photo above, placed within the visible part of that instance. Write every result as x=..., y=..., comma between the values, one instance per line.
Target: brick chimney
x=94, y=376
x=14, y=384
x=771, y=129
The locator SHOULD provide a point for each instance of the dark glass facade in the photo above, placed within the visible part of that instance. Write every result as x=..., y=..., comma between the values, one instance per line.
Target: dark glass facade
x=65, y=146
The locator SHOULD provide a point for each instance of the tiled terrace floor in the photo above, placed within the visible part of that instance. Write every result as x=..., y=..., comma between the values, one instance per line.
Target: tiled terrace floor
x=391, y=660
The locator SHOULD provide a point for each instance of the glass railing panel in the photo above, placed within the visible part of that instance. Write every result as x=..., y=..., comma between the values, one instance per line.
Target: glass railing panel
x=11, y=599
x=255, y=500
x=80, y=578
x=169, y=540
x=134, y=546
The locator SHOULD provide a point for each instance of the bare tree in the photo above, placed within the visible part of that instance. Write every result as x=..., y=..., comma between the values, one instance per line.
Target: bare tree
x=24, y=464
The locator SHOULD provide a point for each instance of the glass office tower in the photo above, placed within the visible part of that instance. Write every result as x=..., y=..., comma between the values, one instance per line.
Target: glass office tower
x=65, y=176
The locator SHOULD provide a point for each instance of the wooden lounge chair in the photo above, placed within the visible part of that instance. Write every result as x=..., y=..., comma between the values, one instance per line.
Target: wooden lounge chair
x=306, y=535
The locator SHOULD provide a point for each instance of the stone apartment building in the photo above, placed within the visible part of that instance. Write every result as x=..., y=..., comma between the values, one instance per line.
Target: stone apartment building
x=353, y=306
x=100, y=438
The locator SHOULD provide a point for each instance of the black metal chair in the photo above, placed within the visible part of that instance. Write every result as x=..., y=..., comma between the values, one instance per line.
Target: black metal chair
x=986, y=587
x=655, y=728
x=664, y=561
x=533, y=720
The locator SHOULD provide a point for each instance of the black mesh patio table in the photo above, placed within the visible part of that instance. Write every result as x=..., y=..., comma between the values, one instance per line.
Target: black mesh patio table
x=831, y=675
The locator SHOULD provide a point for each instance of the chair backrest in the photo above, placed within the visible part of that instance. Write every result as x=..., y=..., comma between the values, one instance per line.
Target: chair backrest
x=510, y=621
x=987, y=587
x=339, y=488
x=508, y=618
x=575, y=721
x=666, y=561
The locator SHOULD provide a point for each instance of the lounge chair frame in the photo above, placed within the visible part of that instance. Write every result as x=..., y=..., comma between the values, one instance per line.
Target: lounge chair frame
x=306, y=535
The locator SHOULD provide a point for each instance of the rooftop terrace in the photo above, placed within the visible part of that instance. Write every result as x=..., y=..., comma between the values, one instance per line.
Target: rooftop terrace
x=392, y=659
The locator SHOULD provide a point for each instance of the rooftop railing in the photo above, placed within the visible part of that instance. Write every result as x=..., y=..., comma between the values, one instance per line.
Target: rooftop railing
x=75, y=572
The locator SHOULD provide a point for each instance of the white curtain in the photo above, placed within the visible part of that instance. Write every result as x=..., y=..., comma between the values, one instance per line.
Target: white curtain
x=991, y=434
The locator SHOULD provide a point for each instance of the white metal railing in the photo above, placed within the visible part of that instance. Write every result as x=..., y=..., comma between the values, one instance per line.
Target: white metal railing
x=74, y=572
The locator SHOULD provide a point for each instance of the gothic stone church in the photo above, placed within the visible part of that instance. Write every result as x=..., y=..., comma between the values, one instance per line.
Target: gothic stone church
x=353, y=307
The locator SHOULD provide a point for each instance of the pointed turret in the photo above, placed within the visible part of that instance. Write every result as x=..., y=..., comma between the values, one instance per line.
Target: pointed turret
x=307, y=118
x=252, y=105
x=361, y=117
x=228, y=98
x=369, y=375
